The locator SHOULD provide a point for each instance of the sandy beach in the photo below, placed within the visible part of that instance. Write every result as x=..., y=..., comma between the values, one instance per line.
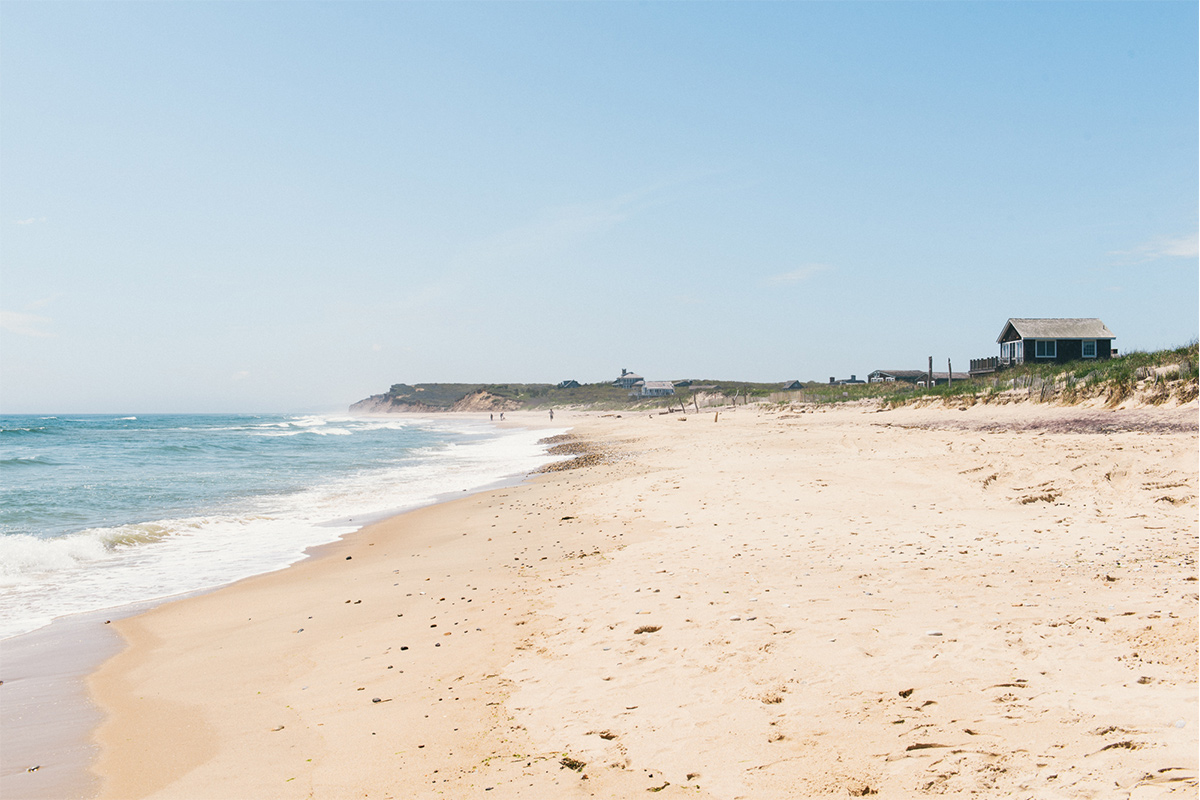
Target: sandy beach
x=998, y=601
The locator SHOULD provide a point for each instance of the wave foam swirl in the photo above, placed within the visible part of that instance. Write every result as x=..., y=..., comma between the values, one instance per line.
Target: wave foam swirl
x=22, y=556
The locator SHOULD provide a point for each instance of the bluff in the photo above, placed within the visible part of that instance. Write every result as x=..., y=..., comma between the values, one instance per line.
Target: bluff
x=423, y=398
x=433, y=397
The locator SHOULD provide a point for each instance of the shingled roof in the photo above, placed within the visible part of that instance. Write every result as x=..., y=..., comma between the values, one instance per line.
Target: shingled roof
x=1089, y=328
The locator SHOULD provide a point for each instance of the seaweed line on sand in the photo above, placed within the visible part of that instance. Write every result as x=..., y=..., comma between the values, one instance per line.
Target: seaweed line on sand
x=586, y=453
x=1084, y=422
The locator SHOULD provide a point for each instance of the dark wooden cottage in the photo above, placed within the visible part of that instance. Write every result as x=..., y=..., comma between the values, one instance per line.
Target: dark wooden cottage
x=1046, y=341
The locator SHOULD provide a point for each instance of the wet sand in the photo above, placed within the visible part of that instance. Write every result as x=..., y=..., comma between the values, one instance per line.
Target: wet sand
x=47, y=716
x=999, y=601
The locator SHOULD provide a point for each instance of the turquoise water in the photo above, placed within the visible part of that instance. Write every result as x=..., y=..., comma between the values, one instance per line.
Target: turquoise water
x=101, y=511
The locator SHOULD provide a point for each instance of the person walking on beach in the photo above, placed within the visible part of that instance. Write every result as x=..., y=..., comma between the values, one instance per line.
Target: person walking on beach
x=552, y=415
x=491, y=417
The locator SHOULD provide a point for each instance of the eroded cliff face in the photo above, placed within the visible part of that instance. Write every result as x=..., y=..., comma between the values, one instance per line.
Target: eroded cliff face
x=475, y=401
x=482, y=401
x=384, y=404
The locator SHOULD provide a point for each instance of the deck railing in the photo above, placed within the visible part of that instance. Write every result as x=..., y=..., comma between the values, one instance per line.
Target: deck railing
x=982, y=366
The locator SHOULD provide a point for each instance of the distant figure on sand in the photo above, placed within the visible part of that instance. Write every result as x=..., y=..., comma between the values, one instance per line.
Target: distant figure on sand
x=492, y=417
x=552, y=415
x=502, y=416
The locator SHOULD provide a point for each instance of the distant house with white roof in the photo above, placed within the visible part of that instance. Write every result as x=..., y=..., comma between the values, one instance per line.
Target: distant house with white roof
x=917, y=377
x=657, y=389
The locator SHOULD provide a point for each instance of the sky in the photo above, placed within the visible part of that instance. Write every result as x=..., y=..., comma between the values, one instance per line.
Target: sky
x=226, y=206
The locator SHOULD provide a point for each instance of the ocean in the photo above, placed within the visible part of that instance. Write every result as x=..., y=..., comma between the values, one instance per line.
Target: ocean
x=103, y=511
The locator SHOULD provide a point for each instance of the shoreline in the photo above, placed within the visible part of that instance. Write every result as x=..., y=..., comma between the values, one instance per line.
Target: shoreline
x=734, y=542
x=45, y=672
x=432, y=541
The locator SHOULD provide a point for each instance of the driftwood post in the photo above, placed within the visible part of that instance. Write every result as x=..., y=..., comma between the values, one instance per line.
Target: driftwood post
x=949, y=373
x=695, y=403
x=929, y=379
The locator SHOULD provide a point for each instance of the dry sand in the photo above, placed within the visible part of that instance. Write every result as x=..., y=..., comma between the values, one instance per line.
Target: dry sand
x=998, y=601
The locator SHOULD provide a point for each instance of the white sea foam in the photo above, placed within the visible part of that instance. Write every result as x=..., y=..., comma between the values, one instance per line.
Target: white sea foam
x=23, y=557
x=105, y=567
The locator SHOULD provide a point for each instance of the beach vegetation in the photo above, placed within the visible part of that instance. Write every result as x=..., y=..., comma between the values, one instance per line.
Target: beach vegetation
x=1151, y=377
x=1147, y=377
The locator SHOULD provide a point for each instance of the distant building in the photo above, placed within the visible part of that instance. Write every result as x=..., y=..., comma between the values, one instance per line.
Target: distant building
x=568, y=385
x=893, y=375
x=628, y=380
x=940, y=378
x=1048, y=341
x=657, y=388
x=791, y=386
x=917, y=377
x=853, y=379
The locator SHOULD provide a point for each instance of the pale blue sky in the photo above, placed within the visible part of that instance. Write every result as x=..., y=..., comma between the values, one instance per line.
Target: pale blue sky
x=282, y=206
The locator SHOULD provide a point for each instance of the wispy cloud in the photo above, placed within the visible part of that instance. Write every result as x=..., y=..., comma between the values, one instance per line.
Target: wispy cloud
x=561, y=229
x=553, y=233
x=798, y=275
x=30, y=221
x=1162, y=247
x=45, y=301
x=24, y=324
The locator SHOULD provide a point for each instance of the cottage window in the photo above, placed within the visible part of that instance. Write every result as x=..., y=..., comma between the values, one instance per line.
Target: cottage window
x=1045, y=348
x=1089, y=348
